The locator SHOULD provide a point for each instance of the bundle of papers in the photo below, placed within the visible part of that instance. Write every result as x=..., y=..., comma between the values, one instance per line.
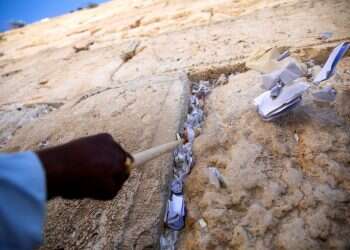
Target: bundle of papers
x=289, y=96
x=194, y=119
x=175, y=212
x=280, y=79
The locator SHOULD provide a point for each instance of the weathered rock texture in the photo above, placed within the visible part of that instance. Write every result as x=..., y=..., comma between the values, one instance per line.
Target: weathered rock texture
x=121, y=67
x=288, y=183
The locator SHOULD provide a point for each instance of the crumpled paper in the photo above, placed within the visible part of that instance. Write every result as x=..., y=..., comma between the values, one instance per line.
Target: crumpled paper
x=176, y=186
x=175, y=212
x=290, y=95
x=287, y=74
x=201, y=89
x=168, y=239
x=183, y=160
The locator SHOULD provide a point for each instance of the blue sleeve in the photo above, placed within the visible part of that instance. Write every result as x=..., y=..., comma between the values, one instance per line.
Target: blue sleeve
x=22, y=201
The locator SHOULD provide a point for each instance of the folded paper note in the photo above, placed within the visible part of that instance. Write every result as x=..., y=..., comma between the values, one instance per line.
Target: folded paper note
x=289, y=96
x=329, y=68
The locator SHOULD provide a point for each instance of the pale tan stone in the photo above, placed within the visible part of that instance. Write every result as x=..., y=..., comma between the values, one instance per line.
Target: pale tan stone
x=128, y=80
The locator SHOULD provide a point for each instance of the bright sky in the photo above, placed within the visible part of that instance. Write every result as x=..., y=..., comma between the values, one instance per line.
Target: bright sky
x=33, y=10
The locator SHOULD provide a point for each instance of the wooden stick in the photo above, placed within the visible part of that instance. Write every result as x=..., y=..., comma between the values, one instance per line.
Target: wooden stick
x=149, y=154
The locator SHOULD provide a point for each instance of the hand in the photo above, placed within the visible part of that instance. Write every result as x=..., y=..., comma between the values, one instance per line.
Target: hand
x=92, y=166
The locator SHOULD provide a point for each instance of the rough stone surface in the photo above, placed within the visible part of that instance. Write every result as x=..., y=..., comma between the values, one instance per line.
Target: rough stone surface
x=121, y=68
x=138, y=117
x=285, y=193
